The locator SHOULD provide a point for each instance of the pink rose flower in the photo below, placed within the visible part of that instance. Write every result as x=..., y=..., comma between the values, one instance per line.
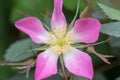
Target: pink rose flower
x=77, y=62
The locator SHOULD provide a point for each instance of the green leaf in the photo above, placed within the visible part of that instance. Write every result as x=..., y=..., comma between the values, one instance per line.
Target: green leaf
x=115, y=42
x=31, y=77
x=23, y=77
x=111, y=3
x=118, y=78
x=18, y=47
x=110, y=12
x=115, y=47
x=115, y=51
x=99, y=76
x=111, y=29
x=99, y=14
x=82, y=78
x=55, y=77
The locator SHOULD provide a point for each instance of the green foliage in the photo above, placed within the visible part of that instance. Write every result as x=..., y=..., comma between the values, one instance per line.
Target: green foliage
x=115, y=42
x=55, y=77
x=101, y=49
x=82, y=78
x=72, y=4
x=118, y=78
x=111, y=3
x=17, y=48
x=111, y=29
x=31, y=7
x=31, y=77
x=115, y=47
x=99, y=76
x=99, y=14
x=23, y=77
x=110, y=12
x=3, y=25
x=6, y=72
x=22, y=8
x=73, y=21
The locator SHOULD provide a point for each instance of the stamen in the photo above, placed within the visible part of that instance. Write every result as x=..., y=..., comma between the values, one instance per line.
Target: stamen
x=58, y=41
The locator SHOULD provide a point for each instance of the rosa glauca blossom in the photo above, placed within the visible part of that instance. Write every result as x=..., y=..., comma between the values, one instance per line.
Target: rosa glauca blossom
x=77, y=62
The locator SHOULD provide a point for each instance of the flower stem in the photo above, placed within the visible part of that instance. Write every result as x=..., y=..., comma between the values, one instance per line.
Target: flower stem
x=31, y=50
x=63, y=68
x=47, y=27
x=102, y=42
x=81, y=46
x=72, y=22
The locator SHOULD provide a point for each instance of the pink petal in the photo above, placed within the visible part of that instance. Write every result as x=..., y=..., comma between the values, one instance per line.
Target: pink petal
x=46, y=64
x=58, y=18
x=86, y=30
x=78, y=63
x=33, y=27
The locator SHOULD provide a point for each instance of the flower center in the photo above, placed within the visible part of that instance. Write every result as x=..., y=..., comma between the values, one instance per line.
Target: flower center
x=59, y=42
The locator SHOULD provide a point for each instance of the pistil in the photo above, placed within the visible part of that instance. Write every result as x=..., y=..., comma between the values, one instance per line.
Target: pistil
x=60, y=43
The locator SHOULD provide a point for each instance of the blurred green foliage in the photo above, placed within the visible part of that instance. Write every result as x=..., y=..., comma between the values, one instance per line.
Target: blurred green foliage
x=16, y=53
x=12, y=10
x=110, y=12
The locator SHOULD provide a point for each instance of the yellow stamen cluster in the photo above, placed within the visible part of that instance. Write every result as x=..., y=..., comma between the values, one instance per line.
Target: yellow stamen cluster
x=59, y=41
